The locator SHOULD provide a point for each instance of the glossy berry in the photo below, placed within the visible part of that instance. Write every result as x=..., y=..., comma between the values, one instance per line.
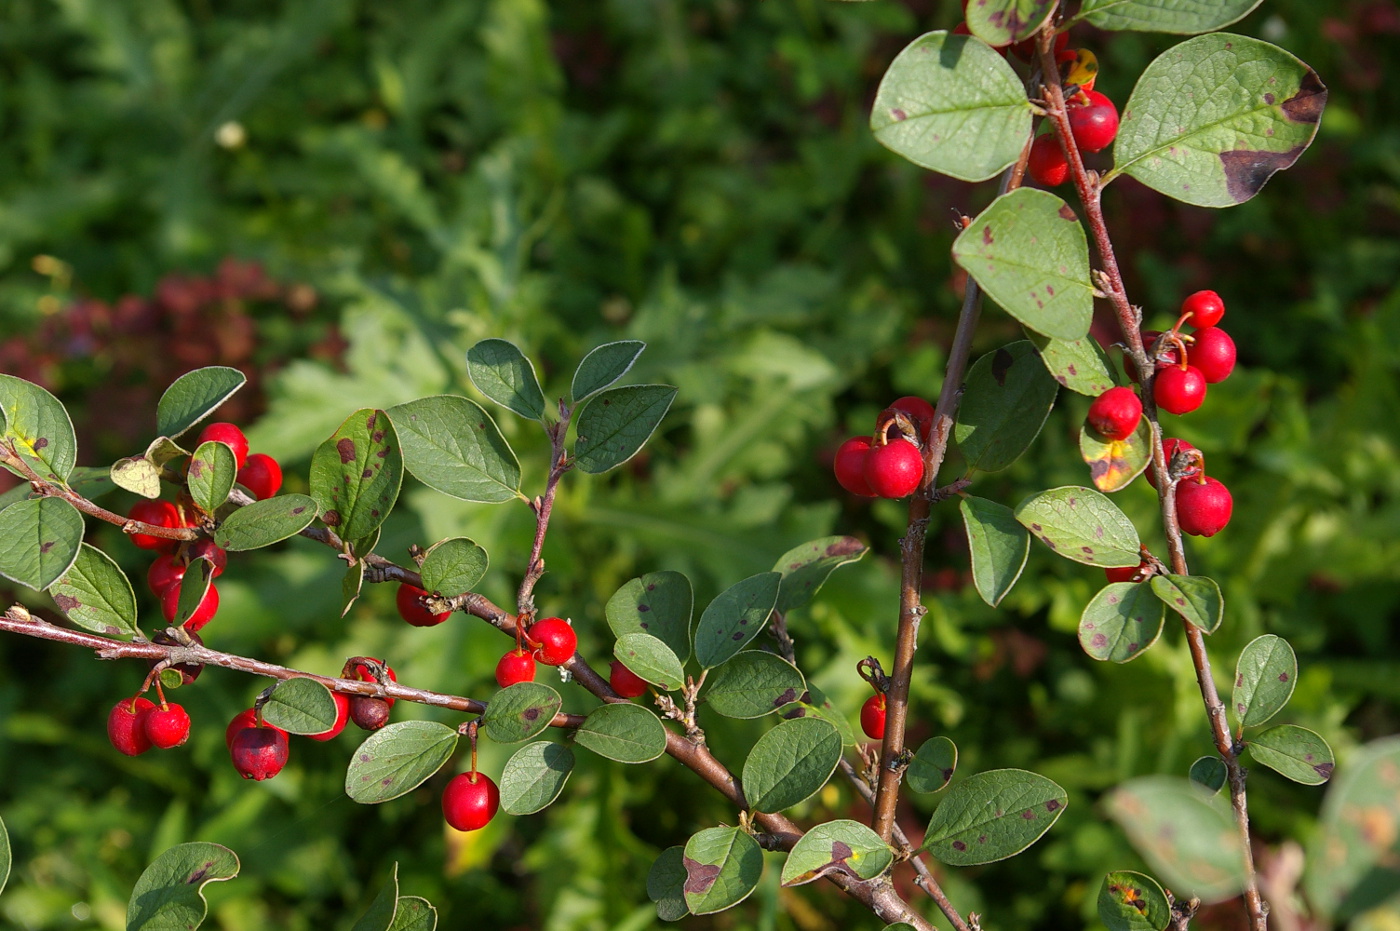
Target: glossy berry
x=1115, y=414
x=165, y=572
x=1179, y=390
x=208, y=607
x=244, y=719
x=161, y=513
x=126, y=726
x=206, y=549
x=470, y=801
x=1170, y=447
x=1047, y=163
x=555, y=640
x=368, y=712
x=515, y=667
x=1125, y=573
x=412, y=610
x=872, y=716
x=1203, y=506
x=261, y=475
x=625, y=682
x=342, y=717
x=1213, y=352
x=895, y=469
x=1205, y=309
x=850, y=466
x=167, y=726
x=259, y=752
x=1093, y=121
x=226, y=433
x=917, y=410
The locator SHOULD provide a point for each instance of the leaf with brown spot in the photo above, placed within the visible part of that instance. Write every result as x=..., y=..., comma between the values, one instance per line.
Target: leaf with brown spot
x=842, y=846
x=169, y=896
x=1115, y=463
x=722, y=867
x=1295, y=752
x=806, y=568
x=39, y=541
x=1121, y=622
x=398, y=758
x=356, y=474
x=1185, y=833
x=1007, y=396
x=1130, y=901
x=520, y=712
x=1264, y=678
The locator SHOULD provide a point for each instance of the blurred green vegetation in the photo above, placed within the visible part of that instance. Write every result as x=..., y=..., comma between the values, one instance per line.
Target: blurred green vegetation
x=699, y=175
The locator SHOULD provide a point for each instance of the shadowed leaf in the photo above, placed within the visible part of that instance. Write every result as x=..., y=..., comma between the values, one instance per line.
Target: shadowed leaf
x=169, y=896
x=1184, y=832
x=96, y=595
x=194, y=396
x=1121, y=622
x=501, y=372
x=722, y=866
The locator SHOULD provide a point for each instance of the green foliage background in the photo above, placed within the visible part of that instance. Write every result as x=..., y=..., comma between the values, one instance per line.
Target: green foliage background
x=698, y=175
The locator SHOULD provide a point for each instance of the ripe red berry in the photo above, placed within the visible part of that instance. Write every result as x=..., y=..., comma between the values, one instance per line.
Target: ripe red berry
x=470, y=801
x=1047, y=163
x=206, y=549
x=895, y=469
x=161, y=513
x=208, y=607
x=342, y=717
x=1093, y=121
x=555, y=640
x=412, y=610
x=516, y=666
x=872, y=716
x=226, y=433
x=1170, y=447
x=261, y=475
x=1124, y=573
x=165, y=572
x=1203, y=506
x=917, y=410
x=850, y=466
x=363, y=673
x=1115, y=414
x=259, y=752
x=625, y=682
x=126, y=726
x=167, y=726
x=1213, y=353
x=1179, y=390
x=246, y=718
x=1205, y=309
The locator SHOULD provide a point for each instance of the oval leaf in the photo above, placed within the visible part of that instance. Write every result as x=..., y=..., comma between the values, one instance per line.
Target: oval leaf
x=722, y=866
x=1185, y=834
x=790, y=764
x=623, y=732
x=951, y=104
x=141, y=474
x=1295, y=752
x=38, y=428
x=651, y=660
x=356, y=474
x=414, y=913
x=815, y=704
x=752, y=684
x=1007, y=396
x=264, y=523
x=96, y=595
x=1212, y=119
x=397, y=759
x=453, y=567
x=194, y=396
x=39, y=541
x=847, y=847
x=1002, y=22
x=1082, y=525
x=992, y=816
x=452, y=444
x=999, y=546
x=805, y=568
x=1184, y=17
x=502, y=373
x=616, y=423
x=169, y=896
x=1114, y=463
x=1078, y=364
x=534, y=777
x=1209, y=772
x=1130, y=901
x=666, y=884
x=300, y=706
x=734, y=618
x=1195, y=597
x=603, y=366
x=520, y=712
x=1352, y=865
x=933, y=765
x=659, y=604
x=1121, y=622
x=1264, y=679
x=212, y=471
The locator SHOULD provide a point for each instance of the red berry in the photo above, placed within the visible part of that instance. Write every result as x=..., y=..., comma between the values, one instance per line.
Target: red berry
x=850, y=466
x=126, y=726
x=1213, y=353
x=342, y=717
x=470, y=801
x=167, y=726
x=917, y=410
x=516, y=666
x=165, y=572
x=226, y=433
x=1179, y=390
x=161, y=513
x=1116, y=413
x=872, y=716
x=259, y=752
x=363, y=673
x=1093, y=121
x=244, y=719
x=1205, y=309
x=625, y=682
x=206, y=549
x=555, y=640
x=1170, y=447
x=895, y=469
x=412, y=610
x=1047, y=163
x=1124, y=573
x=170, y=605
x=261, y=475
x=1203, y=506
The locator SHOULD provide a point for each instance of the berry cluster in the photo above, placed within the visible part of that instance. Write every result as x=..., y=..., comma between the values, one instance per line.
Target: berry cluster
x=135, y=725
x=1093, y=118
x=891, y=463
x=551, y=640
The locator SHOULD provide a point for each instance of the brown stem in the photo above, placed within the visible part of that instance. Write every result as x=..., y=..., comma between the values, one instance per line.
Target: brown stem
x=558, y=464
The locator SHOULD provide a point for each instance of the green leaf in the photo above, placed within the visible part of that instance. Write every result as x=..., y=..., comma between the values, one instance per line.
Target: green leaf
x=1294, y=752
x=1131, y=901
x=264, y=523
x=452, y=444
x=414, y=913
x=999, y=546
x=141, y=474
x=617, y=422
x=39, y=541
x=1114, y=463
x=722, y=866
x=194, y=396
x=453, y=566
x=1209, y=772
x=5, y=856
x=534, y=777
x=1121, y=622
x=398, y=758
x=37, y=426
x=734, y=618
x=1007, y=396
x=169, y=896
x=932, y=766
x=1212, y=119
x=659, y=604
x=1184, y=17
x=1078, y=364
x=193, y=587
x=992, y=816
x=1003, y=22
x=520, y=712
x=752, y=684
x=1028, y=252
x=843, y=846
x=502, y=373
x=350, y=585
x=651, y=660
x=790, y=764
x=666, y=884
x=381, y=911
x=603, y=366
x=805, y=568
x=213, y=468
x=1082, y=525
x=1185, y=833
x=96, y=595
x=815, y=704
x=623, y=732
x=1351, y=860
x=951, y=104
x=1264, y=678
x=300, y=706
x=356, y=474
x=1195, y=597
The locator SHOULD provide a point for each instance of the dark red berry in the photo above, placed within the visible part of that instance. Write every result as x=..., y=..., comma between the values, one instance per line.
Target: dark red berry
x=211, y=552
x=470, y=801
x=1093, y=121
x=1213, y=352
x=1115, y=414
x=167, y=726
x=259, y=752
x=625, y=682
x=872, y=716
x=1170, y=447
x=895, y=469
x=1205, y=309
x=368, y=712
x=516, y=666
x=226, y=433
x=1179, y=390
x=554, y=640
x=165, y=572
x=1203, y=506
x=850, y=466
x=161, y=513
x=342, y=717
x=126, y=726
x=1047, y=163
x=208, y=607
x=919, y=411
x=413, y=611
x=364, y=673
x=261, y=475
